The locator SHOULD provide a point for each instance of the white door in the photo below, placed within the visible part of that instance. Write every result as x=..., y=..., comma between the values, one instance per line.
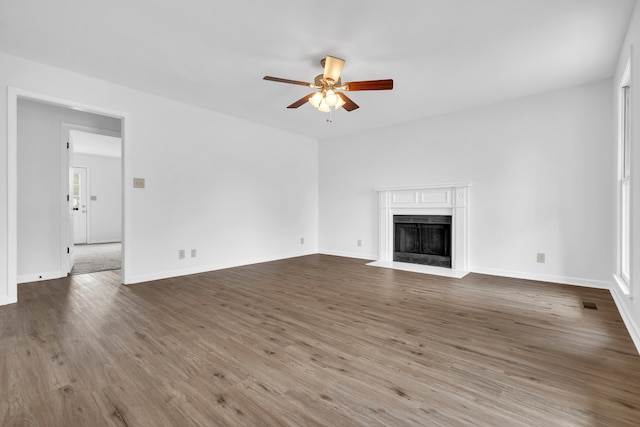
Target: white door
x=79, y=204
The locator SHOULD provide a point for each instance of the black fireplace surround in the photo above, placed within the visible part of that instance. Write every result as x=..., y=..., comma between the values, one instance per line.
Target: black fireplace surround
x=422, y=239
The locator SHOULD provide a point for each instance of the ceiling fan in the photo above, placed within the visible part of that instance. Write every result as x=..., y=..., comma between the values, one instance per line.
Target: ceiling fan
x=329, y=84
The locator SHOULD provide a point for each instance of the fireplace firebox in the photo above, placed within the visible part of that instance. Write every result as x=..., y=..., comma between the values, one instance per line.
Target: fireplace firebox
x=422, y=239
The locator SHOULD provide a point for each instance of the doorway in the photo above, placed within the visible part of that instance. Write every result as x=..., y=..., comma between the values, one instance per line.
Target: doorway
x=52, y=247
x=96, y=167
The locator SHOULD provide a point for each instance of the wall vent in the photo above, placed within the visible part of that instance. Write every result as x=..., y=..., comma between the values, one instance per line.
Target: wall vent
x=589, y=305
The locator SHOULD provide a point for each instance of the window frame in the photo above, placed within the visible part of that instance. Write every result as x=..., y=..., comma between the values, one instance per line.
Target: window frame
x=624, y=184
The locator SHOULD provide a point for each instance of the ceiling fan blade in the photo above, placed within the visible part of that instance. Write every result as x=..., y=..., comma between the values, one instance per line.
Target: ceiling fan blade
x=349, y=105
x=293, y=82
x=333, y=68
x=369, y=85
x=301, y=101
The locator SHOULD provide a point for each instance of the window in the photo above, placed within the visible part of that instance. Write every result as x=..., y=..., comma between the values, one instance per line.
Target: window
x=76, y=191
x=624, y=183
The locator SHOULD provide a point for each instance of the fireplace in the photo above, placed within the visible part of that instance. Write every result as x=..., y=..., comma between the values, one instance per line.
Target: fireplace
x=422, y=239
x=447, y=230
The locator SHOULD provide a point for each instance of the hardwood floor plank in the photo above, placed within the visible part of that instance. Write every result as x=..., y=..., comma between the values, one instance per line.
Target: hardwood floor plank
x=315, y=340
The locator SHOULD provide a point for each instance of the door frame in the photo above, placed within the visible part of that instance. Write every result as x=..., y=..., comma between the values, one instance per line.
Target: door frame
x=13, y=94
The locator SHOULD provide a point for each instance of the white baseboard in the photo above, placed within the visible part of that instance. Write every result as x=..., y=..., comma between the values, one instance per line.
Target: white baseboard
x=5, y=300
x=577, y=281
x=356, y=255
x=632, y=327
x=209, y=267
x=38, y=277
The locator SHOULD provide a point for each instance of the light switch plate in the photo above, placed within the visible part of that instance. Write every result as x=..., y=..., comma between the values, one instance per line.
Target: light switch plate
x=138, y=182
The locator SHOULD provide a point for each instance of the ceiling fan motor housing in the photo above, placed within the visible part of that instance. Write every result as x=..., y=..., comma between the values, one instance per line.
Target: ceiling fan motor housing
x=326, y=84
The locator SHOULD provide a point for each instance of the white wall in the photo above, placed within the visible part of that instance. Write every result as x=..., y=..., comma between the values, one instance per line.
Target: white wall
x=104, y=215
x=40, y=192
x=629, y=306
x=237, y=192
x=541, y=174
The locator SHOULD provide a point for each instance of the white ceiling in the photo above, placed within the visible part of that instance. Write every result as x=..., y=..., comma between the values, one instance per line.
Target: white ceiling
x=444, y=55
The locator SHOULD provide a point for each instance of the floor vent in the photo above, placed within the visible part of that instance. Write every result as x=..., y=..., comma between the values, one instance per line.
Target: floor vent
x=589, y=305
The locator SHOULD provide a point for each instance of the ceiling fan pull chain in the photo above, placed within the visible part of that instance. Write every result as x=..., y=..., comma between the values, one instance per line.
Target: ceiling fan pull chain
x=330, y=118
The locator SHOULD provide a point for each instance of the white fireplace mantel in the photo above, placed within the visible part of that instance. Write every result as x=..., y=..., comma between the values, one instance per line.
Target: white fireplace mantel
x=443, y=199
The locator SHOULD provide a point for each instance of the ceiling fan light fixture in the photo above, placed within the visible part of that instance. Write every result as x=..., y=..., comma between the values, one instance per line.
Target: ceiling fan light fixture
x=340, y=103
x=324, y=107
x=331, y=98
x=315, y=99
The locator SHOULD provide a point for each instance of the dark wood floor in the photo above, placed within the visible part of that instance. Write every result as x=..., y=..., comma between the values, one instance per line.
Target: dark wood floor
x=316, y=340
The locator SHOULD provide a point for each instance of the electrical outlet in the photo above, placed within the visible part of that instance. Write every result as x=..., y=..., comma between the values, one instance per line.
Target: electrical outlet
x=359, y=242
x=181, y=254
x=302, y=240
x=540, y=258
x=193, y=253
